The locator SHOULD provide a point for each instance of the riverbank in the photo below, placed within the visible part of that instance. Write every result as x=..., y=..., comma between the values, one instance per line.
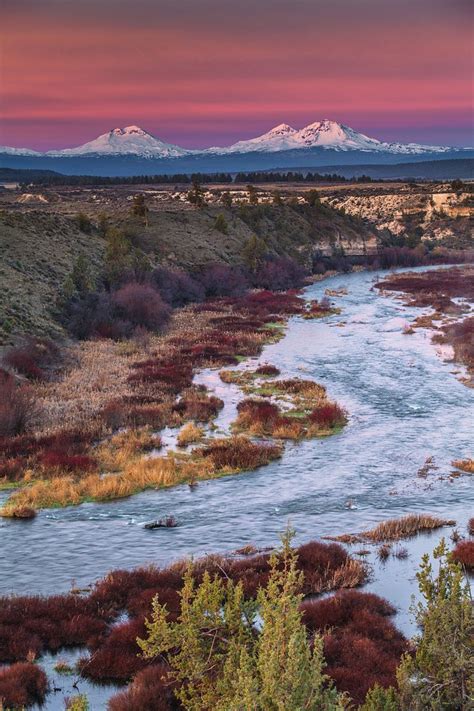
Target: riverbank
x=450, y=295
x=97, y=423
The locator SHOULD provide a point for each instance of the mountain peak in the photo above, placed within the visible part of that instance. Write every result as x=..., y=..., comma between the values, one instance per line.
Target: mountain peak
x=128, y=141
x=129, y=131
x=281, y=129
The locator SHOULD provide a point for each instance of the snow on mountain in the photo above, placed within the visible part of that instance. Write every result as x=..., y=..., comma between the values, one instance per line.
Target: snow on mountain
x=326, y=134
x=322, y=134
x=131, y=140
x=9, y=151
x=280, y=138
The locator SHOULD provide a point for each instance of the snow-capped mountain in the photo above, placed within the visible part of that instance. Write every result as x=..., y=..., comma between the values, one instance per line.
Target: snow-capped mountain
x=322, y=134
x=131, y=141
x=9, y=151
x=280, y=138
x=316, y=138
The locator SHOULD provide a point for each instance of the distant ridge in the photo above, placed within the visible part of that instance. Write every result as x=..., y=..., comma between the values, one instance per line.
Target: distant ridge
x=443, y=169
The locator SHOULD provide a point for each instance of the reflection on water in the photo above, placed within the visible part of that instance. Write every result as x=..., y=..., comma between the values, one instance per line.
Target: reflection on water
x=404, y=406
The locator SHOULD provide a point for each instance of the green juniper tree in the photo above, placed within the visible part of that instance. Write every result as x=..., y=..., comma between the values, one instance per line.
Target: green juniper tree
x=118, y=255
x=440, y=676
x=221, y=223
x=196, y=195
x=312, y=198
x=253, y=252
x=232, y=654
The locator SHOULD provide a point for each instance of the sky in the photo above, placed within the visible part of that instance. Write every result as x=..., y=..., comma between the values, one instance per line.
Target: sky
x=210, y=72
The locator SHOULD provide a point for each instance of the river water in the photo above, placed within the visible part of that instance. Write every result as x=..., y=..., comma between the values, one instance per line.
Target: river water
x=405, y=404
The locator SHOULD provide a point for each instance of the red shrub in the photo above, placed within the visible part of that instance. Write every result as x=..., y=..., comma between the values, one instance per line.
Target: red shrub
x=139, y=605
x=464, y=554
x=33, y=624
x=267, y=303
x=239, y=453
x=279, y=274
x=17, y=406
x=22, y=685
x=470, y=526
x=340, y=609
x=149, y=691
x=30, y=357
x=200, y=408
x=258, y=411
x=142, y=305
x=361, y=646
x=23, y=363
x=222, y=280
x=12, y=469
x=328, y=416
x=68, y=463
x=117, y=658
x=119, y=590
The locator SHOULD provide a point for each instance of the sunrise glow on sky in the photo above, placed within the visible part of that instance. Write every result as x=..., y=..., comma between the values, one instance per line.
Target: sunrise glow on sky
x=202, y=72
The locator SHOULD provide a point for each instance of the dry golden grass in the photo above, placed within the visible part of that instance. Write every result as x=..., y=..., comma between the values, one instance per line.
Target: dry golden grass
x=117, y=452
x=220, y=457
x=152, y=473
x=465, y=465
x=289, y=430
x=395, y=529
x=189, y=434
x=98, y=373
x=349, y=575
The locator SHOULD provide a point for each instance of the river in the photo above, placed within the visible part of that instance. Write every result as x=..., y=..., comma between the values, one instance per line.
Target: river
x=405, y=405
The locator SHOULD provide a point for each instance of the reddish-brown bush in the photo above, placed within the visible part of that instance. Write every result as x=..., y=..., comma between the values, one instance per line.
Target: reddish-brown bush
x=31, y=356
x=157, y=416
x=239, y=453
x=464, y=554
x=23, y=363
x=278, y=274
x=201, y=408
x=117, y=657
x=361, y=644
x=177, y=287
x=17, y=406
x=12, y=468
x=22, y=685
x=119, y=590
x=470, y=526
x=58, y=461
x=33, y=624
x=343, y=607
x=150, y=690
x=222, y=280
x=142, y=305
x=258, y=413
x=328, y=416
